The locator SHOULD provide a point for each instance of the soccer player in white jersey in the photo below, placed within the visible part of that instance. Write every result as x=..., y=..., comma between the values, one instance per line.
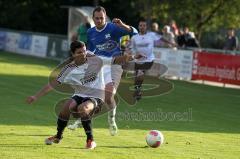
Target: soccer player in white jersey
x=85, y=75
x=143, y=44
x=85, y=99
x=103, y=40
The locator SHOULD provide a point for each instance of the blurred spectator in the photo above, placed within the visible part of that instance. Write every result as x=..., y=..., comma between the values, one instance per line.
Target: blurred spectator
x=81, y=32
x=181, y=38
x=174, y=28
x=190, y=40
x=155, y=32
x=155, y=28
x=168, y=36
x=231, y=42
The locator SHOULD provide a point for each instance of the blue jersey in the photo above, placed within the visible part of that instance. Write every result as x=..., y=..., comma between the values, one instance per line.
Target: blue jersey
x=105, y=42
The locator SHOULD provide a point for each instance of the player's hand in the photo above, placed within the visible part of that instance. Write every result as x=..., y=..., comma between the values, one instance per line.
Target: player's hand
x=118, y=22
x=31, y=99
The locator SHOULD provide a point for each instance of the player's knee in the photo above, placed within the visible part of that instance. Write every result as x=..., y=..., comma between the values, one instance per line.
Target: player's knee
x=72, y=109
x=84, y=110
x=109, y=101
x=140, y=74
x=64, y=115
x=141, y=77
x=111, y=104
x=71, y=106
x=110, y=89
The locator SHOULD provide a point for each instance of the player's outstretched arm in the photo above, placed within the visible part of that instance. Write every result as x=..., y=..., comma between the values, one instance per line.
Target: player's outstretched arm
x=168, y=42
x=126, y=58
x=119, y=23
x=45, y=89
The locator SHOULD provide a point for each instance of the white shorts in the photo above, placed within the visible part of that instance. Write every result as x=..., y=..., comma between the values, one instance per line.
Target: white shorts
x=112, y=74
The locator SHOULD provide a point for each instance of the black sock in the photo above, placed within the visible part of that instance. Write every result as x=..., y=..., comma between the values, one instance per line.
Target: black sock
x=61, y=124
x=138, y=83
x=87, y=125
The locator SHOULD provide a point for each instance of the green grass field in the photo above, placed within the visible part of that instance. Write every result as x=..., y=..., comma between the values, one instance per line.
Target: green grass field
x=208, y=126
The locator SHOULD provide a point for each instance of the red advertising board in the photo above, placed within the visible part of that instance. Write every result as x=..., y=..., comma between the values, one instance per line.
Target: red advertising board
x=216, y=67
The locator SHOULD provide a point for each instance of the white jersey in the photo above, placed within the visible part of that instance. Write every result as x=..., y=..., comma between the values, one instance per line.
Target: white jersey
x=144, y=44
x=87, y=80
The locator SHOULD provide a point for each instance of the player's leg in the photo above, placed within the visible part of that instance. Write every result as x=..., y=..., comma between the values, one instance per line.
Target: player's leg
x=83, y=110
x=140, y=70
x=110, y=101
x=112, y=77
x=139, y=78
x=86, y=110
x=110, y=91
x=62, y=121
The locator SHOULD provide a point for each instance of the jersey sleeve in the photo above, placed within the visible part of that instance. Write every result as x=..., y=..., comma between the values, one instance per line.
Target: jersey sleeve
x=133, y=45
x=64, y=72
x=122, y=32
x=155, y=36
x=60, y=77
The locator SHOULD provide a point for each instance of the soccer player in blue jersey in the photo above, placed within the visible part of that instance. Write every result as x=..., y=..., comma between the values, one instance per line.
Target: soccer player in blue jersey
x=103, y=40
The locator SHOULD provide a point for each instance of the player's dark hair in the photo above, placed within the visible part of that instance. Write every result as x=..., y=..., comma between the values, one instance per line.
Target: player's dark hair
x=75, y=45
x=142, y=20
x=99, y=9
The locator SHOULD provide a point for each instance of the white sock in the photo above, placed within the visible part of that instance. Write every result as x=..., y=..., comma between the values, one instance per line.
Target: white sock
x=111, y=116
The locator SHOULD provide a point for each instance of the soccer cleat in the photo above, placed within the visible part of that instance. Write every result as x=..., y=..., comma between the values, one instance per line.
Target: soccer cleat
x=75, y=125
x=113, y=129
x=90, y=144
x=52, y=139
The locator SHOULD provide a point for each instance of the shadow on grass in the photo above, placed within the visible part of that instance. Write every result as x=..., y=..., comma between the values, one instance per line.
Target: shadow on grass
x=124, y=147
x=39, y=146
x=30, y=135
x=14, y=134
x=21, y=145
x=13, y=58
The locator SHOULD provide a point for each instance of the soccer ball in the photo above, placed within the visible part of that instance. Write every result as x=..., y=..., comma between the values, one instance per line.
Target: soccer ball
x=154, y=138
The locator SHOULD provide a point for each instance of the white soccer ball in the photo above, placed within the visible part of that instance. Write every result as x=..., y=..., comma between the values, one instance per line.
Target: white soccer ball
x=154, y=138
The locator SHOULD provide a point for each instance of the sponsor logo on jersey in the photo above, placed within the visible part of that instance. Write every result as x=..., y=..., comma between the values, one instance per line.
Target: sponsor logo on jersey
x=90, y=78
x=108, y=46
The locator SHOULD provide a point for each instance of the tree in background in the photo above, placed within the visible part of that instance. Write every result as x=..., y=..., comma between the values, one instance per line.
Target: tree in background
x=200, y=16
x=33, y=15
